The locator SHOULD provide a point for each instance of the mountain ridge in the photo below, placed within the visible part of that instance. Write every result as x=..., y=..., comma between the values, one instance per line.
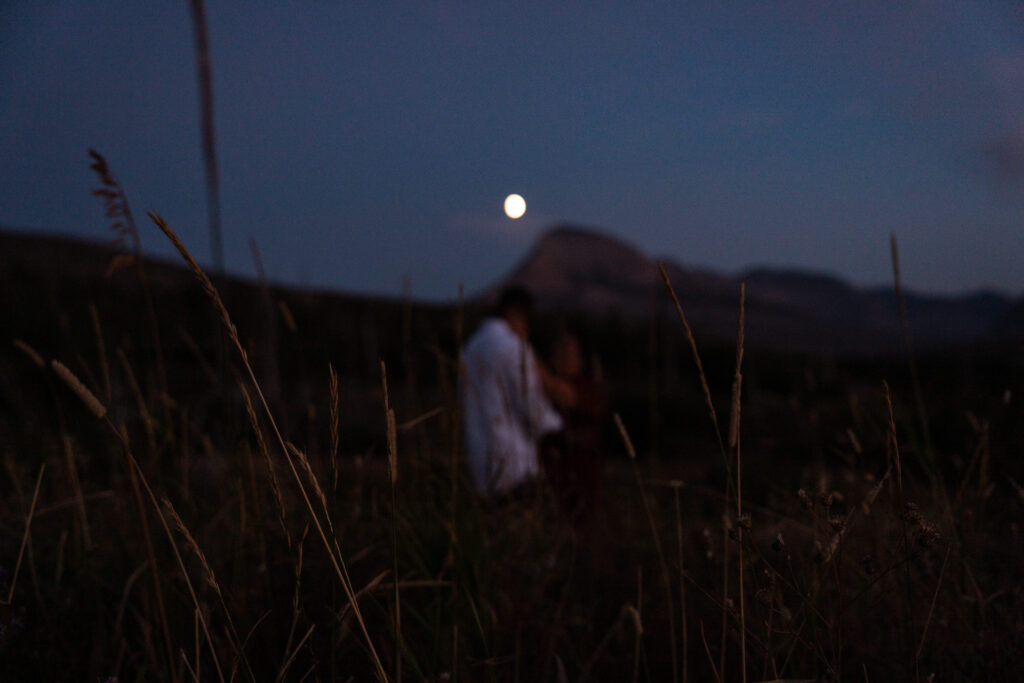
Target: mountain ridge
x=575, y=268
x=580, y=269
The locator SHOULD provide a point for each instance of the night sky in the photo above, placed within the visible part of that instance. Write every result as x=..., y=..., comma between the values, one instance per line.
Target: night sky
x=362, y=143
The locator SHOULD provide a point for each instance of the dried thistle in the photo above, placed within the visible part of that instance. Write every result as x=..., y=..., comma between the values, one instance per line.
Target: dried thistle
x=912, y=515
x=927, y=535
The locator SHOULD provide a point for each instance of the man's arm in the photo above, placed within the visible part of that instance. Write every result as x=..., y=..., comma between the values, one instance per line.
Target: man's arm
x=562, y=393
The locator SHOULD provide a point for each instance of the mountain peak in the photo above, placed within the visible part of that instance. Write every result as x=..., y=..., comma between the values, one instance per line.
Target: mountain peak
x=571, y=267
x=576, y=267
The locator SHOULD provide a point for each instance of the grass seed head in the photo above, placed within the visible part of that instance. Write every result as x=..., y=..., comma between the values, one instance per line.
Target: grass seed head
x=83, y=393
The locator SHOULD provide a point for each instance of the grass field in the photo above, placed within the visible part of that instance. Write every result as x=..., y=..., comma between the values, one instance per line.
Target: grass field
x=184, y=499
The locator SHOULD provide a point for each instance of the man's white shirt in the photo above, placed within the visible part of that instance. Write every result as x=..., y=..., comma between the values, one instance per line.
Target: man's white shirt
x=504, y=407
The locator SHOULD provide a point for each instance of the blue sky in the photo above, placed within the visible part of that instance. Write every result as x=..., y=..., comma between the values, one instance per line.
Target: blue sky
x=360, y=143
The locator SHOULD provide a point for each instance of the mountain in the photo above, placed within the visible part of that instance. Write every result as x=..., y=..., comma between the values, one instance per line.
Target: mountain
x=573, y=268
x=569, y=268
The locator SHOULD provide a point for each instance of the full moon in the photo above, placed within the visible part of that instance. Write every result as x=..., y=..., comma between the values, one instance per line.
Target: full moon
x=515, y=206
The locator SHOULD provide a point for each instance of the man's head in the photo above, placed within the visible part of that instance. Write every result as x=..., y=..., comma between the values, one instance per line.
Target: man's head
x=515, y=306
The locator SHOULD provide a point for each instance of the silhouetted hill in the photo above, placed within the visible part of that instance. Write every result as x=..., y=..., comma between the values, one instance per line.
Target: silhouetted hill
x=569, y=268
x=60, y=299
x=579, y=269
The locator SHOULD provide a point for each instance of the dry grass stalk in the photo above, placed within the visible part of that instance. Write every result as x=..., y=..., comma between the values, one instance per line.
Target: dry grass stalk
x=630, y=451
x=33, y=356
x=253, y=488
x=335, y=425
x=909, y=343
x=295, y=652
x=204, y=281
x=638, y=622
x=892, y=444
x=147, y=418
x=188, y=667
x=872, y=494
x=665, y=575
x=337, y=561
x=286, y=314
x=61, y=543
x=676, y=485
x=624, y=613
x=123, y=604
x=137, y=476
x=119, y=209
x=734, y=443
x=101, y=349
x=76, y=485
x=392, y=445
x=978, y=460
x=421, y=418
x=274, y=485
x=115, y=202
x=308, y=469
x=392, y=436
x=737, y=382
x=456, y=423
x=25, y=536
x=707, y=651
x=931, y=608
x=893, y=452
x=211, y=579
x=296, y=603
x=696, y=355
x=83, y=393
x=196, y=640
x=205, y=78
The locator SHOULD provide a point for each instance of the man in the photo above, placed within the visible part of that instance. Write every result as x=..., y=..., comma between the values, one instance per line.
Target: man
x=506, y=411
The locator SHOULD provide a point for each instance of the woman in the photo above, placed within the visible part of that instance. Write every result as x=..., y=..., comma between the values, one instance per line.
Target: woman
x=572, y=460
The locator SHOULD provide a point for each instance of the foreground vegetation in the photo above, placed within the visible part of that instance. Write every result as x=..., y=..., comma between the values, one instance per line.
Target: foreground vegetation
x=229, y=508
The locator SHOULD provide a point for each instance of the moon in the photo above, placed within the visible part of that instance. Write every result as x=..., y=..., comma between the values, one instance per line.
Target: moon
x=515, y=206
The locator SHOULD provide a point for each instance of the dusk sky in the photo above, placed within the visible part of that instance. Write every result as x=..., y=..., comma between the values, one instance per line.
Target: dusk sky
x=360, y=143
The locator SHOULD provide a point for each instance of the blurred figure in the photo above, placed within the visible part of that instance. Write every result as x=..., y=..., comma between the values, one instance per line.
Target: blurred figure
x=572, y=459
x=506, y=410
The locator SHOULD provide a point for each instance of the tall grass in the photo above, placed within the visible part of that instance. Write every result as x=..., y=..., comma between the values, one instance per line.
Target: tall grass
x=339, y=541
